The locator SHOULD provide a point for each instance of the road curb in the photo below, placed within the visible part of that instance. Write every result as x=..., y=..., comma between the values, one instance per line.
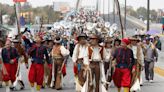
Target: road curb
x=159, y=71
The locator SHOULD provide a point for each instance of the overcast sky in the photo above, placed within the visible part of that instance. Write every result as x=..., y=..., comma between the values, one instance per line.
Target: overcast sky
x=155, y=4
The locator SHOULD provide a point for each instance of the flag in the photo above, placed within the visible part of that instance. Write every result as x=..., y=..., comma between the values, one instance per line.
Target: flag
x=64, y=70
x=75, y=69
x=19, y=1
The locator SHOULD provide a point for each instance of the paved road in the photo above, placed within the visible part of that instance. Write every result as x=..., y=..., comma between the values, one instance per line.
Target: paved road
x=157, y=86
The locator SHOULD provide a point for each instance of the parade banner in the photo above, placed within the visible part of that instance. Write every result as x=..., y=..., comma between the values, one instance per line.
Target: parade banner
x=19, y=1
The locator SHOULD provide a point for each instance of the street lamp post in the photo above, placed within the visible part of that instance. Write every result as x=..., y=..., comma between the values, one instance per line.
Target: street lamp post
x=148, y=15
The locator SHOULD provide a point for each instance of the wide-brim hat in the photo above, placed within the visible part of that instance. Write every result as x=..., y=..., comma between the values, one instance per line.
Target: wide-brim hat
x=94, y=36
x=133, y=39
x=117, y=40
x=82, y=35
x=108, y=40
x=57, y=40
x=16, y=41
x=147, y=38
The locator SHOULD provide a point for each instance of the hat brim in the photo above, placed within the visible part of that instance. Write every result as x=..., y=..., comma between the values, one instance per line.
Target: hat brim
x=108, y=41
x=134, y=39
x=78, y=38
x=58, y=41
x=94, y=38
x=16, y=42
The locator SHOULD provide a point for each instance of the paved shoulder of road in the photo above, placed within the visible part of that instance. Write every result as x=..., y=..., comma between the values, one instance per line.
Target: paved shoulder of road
x=159, y=66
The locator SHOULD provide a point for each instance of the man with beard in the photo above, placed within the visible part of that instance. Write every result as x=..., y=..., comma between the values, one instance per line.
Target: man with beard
x=80, y=60
x=59, y=56
x=96, y=56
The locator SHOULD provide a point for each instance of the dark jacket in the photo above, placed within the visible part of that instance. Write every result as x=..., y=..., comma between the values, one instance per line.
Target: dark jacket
x=10, y=54
x=37, y=54
x=124, y=58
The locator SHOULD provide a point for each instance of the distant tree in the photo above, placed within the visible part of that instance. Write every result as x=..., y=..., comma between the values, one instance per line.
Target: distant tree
x=12, y=19
x=154, y=15
x=142, y=11
x=131, y=11
x=26, y=7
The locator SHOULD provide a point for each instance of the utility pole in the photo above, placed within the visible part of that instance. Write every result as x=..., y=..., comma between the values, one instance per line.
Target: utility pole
x=97, y=5
x=1, y=20
x=108, y=10
x=148, y=15
x=125, y=15
x=104, y=10
x=119, y=13
x=114, y=17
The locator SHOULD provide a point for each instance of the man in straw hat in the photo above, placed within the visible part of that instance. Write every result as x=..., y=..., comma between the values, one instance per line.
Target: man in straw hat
x=38, y=54
x=135, y=46
x=59, y=55
x=10, y=58
x=96, y=56
x=124, y=65
x=80, y=60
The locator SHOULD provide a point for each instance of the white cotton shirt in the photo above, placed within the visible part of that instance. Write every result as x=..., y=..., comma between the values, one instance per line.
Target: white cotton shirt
x=96, y=54
x=108, y=54
x=134, y=49
x=81, y=51
x=64, y=51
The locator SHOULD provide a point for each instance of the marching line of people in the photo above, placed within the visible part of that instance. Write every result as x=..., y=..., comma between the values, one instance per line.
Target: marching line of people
x=96, y=62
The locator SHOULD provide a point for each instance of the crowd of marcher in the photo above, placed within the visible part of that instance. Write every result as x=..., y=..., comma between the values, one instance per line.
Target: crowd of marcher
x=99, y=55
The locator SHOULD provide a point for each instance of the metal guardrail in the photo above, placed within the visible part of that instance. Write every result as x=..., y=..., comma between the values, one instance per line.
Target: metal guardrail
x=135, y=21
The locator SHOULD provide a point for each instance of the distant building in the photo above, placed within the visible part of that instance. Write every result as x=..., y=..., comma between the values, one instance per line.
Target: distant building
x=62, y=7
x=27, y=15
